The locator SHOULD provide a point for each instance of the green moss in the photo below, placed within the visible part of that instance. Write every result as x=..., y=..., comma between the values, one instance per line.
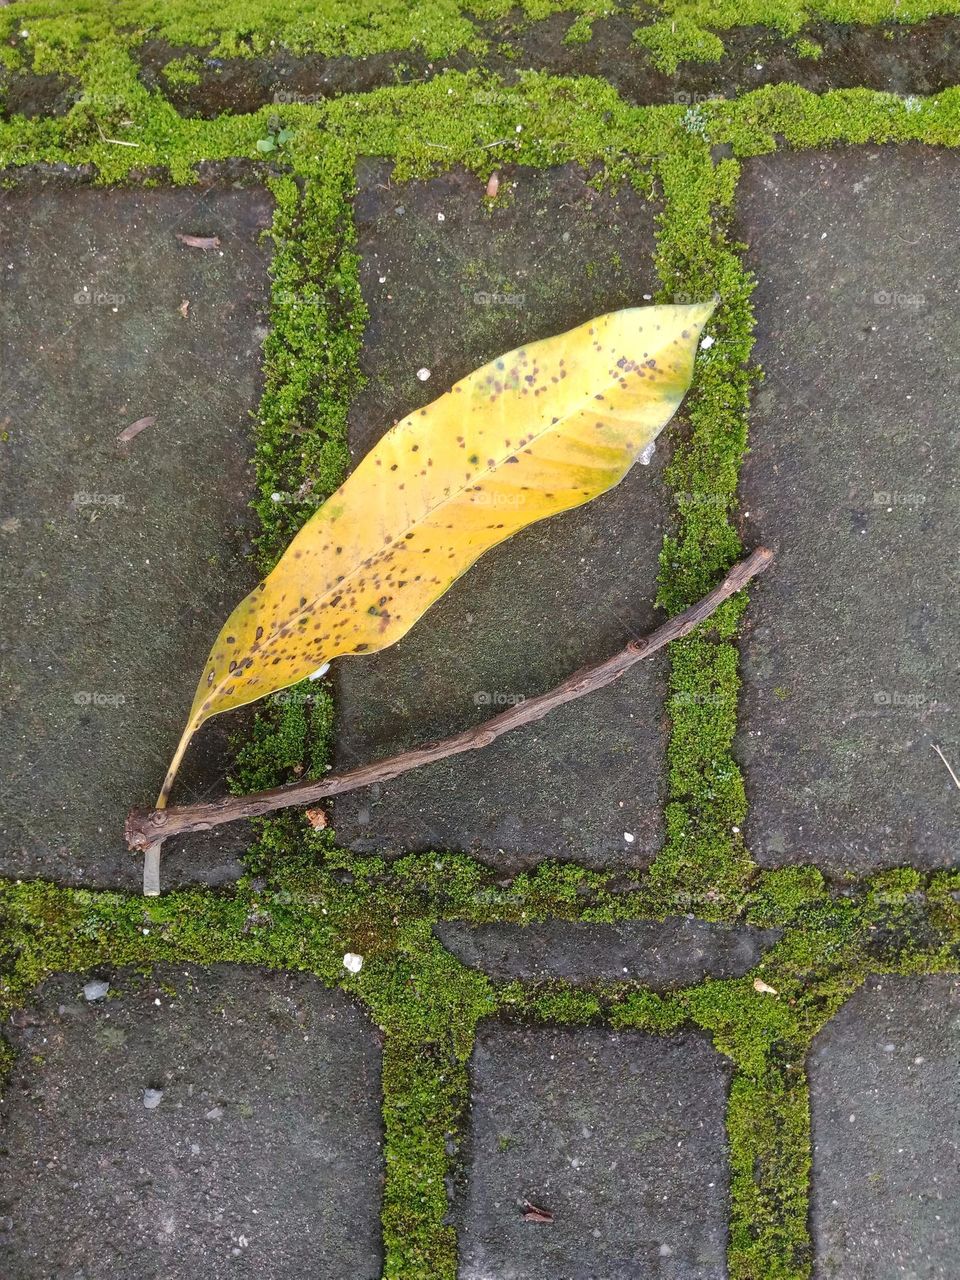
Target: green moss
x=183, y=71
x=676, y=40
x=809, y=49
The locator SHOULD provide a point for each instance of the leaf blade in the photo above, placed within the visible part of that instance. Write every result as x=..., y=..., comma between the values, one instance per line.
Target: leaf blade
x=535, y=432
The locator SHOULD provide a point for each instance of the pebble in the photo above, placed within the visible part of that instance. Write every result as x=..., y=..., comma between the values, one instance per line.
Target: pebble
x=95, y=990
x=152, y=1098
x=352, y=962
x=423, y=374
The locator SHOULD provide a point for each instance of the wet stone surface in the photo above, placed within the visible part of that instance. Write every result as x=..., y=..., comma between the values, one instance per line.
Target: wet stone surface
x=886, y=1139
x=850, y=677
x=120, y=561
x=619, y=1136
x=214, y=1122
x=449, y=286
x=675, y=953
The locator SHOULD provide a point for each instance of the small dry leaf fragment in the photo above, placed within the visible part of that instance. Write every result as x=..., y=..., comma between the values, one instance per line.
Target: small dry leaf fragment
x=532, y=1214
x=317, y=818
x=199, y=242
x=493, y=186
x=134, y=429
x=764, y=988
x=184, y=308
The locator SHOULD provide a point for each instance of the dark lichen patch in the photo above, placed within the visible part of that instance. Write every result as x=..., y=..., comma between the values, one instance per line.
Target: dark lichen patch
x=203, y=85
x=35, y=96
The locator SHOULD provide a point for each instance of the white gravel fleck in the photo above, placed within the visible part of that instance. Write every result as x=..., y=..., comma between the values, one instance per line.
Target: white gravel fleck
x=352, y=962
x=152, y=1098
x=707, y=342
x=423, y=374
x=95, y=990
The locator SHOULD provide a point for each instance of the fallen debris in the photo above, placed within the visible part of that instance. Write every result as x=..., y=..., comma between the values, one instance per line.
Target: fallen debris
x=533, y=1214
x=199, y=242
x=134, y=429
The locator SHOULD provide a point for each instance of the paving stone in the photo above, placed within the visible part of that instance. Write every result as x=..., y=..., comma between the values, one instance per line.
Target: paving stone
x=849, y=656
x=903, y=58
x=448, y=296
x=885, y=1091
x=674, y=953
x=121, y=562
x=203, y=1122
x=619, y=1136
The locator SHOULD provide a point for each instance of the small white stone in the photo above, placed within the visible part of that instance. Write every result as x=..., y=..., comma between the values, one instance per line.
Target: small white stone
x=423, y=374
x=707, y=342
x=152, y=1098
x=95, y=990
x=441, y=217
x=665, y=1251
x=383, y=279
x=352, y=962
x=629, y=837
x=647, y=454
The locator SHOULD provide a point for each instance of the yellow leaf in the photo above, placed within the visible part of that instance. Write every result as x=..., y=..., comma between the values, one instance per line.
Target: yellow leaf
x=537, y=431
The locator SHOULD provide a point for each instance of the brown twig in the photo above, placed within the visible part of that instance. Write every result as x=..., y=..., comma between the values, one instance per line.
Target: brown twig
x=146, y=830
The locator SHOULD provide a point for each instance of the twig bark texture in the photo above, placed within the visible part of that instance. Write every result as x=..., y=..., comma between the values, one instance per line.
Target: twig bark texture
x=147, y=829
